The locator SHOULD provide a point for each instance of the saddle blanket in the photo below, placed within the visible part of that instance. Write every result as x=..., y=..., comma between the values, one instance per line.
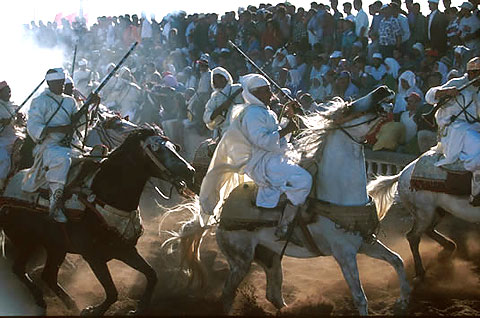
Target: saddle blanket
x=450, y=179
x=13, y=191
x=127, y=224
x=240, y=211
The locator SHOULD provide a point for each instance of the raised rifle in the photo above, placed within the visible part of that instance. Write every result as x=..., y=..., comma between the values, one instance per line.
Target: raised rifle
x=262, y=72
x=21, y=105
x=430, y=116
x=94, y=96
x=74, y=59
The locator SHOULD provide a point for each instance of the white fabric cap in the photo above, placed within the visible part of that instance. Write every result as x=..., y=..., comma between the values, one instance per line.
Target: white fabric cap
x=83, y=62
x=377, y=56
x=58, y=75
x=418, y=46
x=336, y=55
x=467, y=5
x=268, y=47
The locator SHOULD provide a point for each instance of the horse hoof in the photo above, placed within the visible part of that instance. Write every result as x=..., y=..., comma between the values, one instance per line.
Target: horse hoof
x=401, y=306
x=92, y=311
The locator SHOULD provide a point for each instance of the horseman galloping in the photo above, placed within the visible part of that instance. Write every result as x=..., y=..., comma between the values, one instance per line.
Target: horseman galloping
x=254, y=145
x=459, y=125
x=49, y=122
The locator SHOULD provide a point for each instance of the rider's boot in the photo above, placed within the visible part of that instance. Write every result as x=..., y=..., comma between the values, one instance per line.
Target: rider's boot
x=56, y=204
x=475, y=197
x=288, y=215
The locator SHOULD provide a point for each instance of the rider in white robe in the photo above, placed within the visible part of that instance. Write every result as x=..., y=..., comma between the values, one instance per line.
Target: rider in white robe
x=254, y=145
x=49, y=120
x=222, y=84
x=460, y=139
x=8, y=133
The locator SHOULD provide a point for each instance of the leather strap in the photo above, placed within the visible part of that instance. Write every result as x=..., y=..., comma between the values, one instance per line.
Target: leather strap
x=311, y=245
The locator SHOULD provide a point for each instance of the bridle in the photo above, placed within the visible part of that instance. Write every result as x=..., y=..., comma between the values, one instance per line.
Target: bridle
x=167, y=175
x=338, y=126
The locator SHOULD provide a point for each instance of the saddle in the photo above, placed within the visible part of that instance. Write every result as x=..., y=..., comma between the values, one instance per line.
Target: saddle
x=450, y=179
x=241, y=213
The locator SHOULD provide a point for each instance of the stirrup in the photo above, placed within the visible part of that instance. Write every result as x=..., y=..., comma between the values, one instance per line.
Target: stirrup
x=475, y=200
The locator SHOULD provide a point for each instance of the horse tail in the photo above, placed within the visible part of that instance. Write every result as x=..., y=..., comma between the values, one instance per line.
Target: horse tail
x=382, y=190
x=188, y=241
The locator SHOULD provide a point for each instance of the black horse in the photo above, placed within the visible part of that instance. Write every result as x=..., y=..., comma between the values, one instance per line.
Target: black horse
x=119, y=183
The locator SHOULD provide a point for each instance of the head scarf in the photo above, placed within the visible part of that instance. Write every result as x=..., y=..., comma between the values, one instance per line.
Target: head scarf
x=223, y=72
x=393, y=66
x=409, y=76
x=250, y=82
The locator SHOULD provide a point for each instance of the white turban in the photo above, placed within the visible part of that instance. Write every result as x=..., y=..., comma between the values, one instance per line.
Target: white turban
x=59, y=74
x=250, y=82
x=83, y=62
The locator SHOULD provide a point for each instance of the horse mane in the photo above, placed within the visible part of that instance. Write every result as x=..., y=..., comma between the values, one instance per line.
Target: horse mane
x=317, y=126
x=133, y=138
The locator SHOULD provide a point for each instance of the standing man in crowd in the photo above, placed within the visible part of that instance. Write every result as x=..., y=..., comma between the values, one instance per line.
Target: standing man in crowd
x=437, y=28
x=361, y=23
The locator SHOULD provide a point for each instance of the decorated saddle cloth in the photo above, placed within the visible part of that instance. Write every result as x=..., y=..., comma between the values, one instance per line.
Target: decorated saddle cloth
x=449, y=179
x=240, y=212
x=78, y=196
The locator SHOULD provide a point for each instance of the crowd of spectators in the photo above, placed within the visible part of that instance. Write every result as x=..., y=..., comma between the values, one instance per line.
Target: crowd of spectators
x=316, y=53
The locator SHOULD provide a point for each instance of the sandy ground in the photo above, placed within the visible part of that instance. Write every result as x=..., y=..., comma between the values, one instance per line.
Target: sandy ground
x=311, y=286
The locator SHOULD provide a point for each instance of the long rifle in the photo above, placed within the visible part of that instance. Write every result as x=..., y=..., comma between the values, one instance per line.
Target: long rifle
x=249, y=60
x=74, y=59
x=430, y=116
x=93, y=95
x=22, y=104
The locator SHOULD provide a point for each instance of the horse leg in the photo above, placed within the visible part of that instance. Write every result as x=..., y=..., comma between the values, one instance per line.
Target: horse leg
x=348, y=264
x=421, y=223
x=19, y=269
x=133, y=259
x=448, y=245
x=239, y=252
x=50, y=277
x=379, y=251
x=272, y=265
x=100, y=269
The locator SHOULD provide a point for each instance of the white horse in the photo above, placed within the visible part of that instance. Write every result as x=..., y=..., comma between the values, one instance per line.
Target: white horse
x=426, y=207
x=340, y=180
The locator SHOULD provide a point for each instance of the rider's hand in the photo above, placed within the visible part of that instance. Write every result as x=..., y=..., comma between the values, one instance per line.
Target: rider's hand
x=290, y=109
x=95, y=99
x=448, y=92
x=20, y=119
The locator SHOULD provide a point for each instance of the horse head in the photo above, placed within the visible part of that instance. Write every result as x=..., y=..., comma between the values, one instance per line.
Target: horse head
x=165, y=162
x=362, y=115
